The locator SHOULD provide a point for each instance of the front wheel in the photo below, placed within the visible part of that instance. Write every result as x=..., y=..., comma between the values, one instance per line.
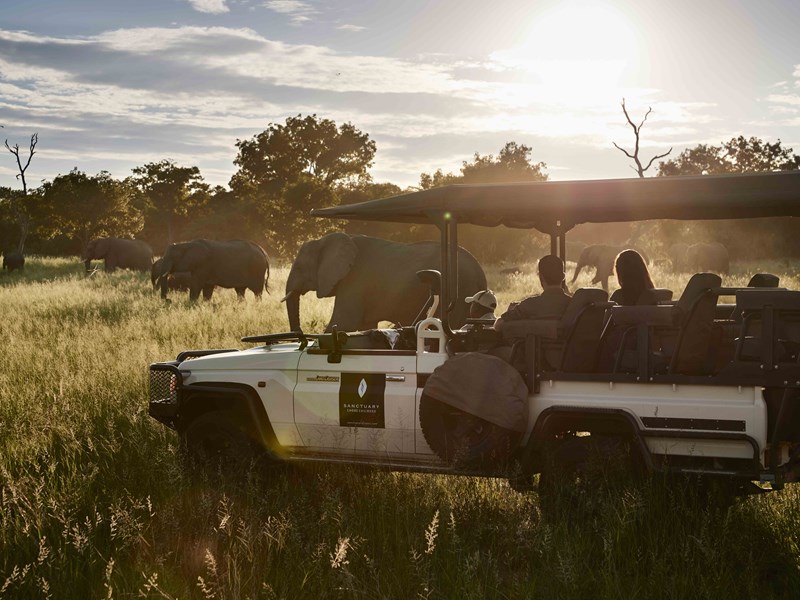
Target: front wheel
x=221, y=438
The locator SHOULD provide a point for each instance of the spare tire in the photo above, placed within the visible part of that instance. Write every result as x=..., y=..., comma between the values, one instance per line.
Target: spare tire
x=464, y=440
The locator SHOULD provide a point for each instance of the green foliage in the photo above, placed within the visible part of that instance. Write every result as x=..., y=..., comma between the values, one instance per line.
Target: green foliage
x=290, y=168
x=753, y=237
x=95, y=504
x=84, y=207
x=171, y=195
x=738, y=155
x=499, y=244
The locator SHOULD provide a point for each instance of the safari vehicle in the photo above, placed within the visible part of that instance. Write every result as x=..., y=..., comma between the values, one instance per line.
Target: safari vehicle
x=695, y=385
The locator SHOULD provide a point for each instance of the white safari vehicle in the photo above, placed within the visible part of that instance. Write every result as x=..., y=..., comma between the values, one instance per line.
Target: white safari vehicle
x=690, y=385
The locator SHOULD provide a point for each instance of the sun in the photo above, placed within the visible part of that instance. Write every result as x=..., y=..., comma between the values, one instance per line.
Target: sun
x=576, y=46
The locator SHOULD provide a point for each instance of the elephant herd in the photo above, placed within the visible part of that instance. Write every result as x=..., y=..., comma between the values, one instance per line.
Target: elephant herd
x=197, y=266
x=371, y=279
x=684, y=258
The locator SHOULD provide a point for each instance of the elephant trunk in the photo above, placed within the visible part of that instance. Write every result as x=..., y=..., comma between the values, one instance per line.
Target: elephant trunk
x=293, y=310
x=88, y=264
x=163, y=277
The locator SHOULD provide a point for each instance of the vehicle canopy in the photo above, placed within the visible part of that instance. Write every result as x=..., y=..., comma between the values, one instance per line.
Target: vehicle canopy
x=555, y=207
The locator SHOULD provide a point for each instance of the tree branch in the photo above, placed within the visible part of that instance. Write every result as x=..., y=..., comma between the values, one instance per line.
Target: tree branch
x=655, y=158
x=628, y=154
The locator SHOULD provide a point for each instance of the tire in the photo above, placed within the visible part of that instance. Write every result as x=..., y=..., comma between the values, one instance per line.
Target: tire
x=579, y=473
x=220, y=438
x=463, y=440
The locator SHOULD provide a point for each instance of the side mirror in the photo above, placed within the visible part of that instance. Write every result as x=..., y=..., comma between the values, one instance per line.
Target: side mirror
x=432, y=278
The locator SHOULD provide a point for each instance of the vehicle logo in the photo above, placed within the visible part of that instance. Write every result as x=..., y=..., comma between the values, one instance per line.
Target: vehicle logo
x=324, y=378
x=362, y=388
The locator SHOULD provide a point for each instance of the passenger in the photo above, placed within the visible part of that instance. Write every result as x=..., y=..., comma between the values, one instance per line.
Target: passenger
x=634, y=280
x=482, y=305
x=550, y=304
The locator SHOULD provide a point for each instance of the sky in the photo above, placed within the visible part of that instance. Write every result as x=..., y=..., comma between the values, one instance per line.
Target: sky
x=113, y=84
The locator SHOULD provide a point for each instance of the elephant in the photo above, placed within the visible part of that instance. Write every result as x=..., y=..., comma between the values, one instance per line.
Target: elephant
x=180, y=282
x=119, y=253
x=14, y=260
x=601, y=257
x=236, y=264
x=373, y=280
x=712, y=257
x=677, y=255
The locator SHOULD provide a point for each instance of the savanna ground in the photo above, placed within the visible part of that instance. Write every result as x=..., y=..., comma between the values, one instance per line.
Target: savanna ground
x=95, y=503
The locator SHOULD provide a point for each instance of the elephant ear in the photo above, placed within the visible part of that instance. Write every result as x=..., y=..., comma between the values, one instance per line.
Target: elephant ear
x=337, y=257
x=194, y=255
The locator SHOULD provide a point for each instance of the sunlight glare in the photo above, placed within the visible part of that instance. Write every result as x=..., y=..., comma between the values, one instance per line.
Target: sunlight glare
x=577, y=47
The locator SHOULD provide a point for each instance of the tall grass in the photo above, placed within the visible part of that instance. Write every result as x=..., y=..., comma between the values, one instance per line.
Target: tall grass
x=95, y=504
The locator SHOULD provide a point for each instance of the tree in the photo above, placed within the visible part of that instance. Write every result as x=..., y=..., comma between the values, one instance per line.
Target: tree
x=513, y=163
x=751, y=237
x=288, y=169
x=640, y=169
x=18, y=203
x=738, y=155
x=171, y=194
x=85, y=207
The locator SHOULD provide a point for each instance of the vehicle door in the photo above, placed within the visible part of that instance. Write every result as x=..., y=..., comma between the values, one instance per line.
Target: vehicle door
x=364, y=404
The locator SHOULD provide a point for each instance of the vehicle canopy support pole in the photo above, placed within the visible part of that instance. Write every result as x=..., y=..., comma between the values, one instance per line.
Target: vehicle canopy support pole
x=447, y=230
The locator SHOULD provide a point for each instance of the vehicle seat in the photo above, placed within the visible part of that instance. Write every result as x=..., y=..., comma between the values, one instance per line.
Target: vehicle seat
x=764, y=280
x=568, y=344
x=679, y=335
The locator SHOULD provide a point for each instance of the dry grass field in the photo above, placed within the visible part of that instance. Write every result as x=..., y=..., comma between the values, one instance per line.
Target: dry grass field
x=94, y=502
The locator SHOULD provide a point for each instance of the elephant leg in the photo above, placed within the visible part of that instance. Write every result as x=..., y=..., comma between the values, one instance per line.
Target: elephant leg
x=240, y=292
x=194, y=292
x=208, y=290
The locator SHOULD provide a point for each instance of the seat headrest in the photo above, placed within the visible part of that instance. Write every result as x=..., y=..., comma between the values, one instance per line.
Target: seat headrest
x=765, y=280
x=580, y=299
x=699, y=283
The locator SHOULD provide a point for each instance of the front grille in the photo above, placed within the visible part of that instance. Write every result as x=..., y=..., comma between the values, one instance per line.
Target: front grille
x=164, y=384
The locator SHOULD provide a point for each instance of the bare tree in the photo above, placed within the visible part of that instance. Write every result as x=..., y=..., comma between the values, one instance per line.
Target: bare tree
x=636, y=130
x=19, y=207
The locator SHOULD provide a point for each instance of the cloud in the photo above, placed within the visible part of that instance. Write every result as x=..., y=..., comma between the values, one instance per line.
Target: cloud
x=298, y=11
x=350, y=27
x=210, y=6
x=143, y=93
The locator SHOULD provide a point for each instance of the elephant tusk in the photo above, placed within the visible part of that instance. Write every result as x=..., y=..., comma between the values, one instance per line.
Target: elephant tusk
x=288, y=295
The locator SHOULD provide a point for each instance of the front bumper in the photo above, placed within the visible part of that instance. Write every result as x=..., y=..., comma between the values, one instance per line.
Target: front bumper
x=166, y=382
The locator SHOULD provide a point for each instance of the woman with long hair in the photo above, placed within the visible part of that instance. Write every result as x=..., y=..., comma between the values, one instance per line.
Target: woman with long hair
x=633, y=278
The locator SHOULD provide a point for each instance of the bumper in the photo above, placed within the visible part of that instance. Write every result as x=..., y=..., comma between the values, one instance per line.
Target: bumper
x=166, y=382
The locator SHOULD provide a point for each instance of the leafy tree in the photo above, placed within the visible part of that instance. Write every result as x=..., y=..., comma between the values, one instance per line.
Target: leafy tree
x=85, y=207
x=745, y=238
x=738, y=155
x=513, y=163
x=290, y=168
x=172, y=193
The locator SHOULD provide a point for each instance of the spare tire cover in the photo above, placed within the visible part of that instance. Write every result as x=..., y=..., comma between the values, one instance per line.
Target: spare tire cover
x=482, y=385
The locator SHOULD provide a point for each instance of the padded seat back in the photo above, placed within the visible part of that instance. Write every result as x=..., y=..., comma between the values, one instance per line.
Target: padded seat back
x=583, y=324
x=697, y=306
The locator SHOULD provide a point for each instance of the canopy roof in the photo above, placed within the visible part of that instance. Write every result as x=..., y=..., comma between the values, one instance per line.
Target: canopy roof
x=546, y=205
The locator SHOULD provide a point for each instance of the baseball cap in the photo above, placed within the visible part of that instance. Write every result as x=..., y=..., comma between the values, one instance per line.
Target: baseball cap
x=484, y=298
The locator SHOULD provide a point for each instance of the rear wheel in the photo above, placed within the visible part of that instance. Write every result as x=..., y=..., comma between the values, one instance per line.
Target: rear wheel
x=579, y=472
x=462, y=439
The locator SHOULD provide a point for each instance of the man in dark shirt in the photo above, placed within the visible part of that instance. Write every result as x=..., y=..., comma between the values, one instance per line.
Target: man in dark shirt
x=550, y=304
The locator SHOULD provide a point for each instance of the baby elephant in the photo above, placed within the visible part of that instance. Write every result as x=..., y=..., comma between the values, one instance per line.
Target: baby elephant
x=175, y=281
x=14, y=260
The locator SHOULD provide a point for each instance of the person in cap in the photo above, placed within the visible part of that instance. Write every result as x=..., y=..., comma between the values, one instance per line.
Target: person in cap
x=550, y=304
x=482, y=306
